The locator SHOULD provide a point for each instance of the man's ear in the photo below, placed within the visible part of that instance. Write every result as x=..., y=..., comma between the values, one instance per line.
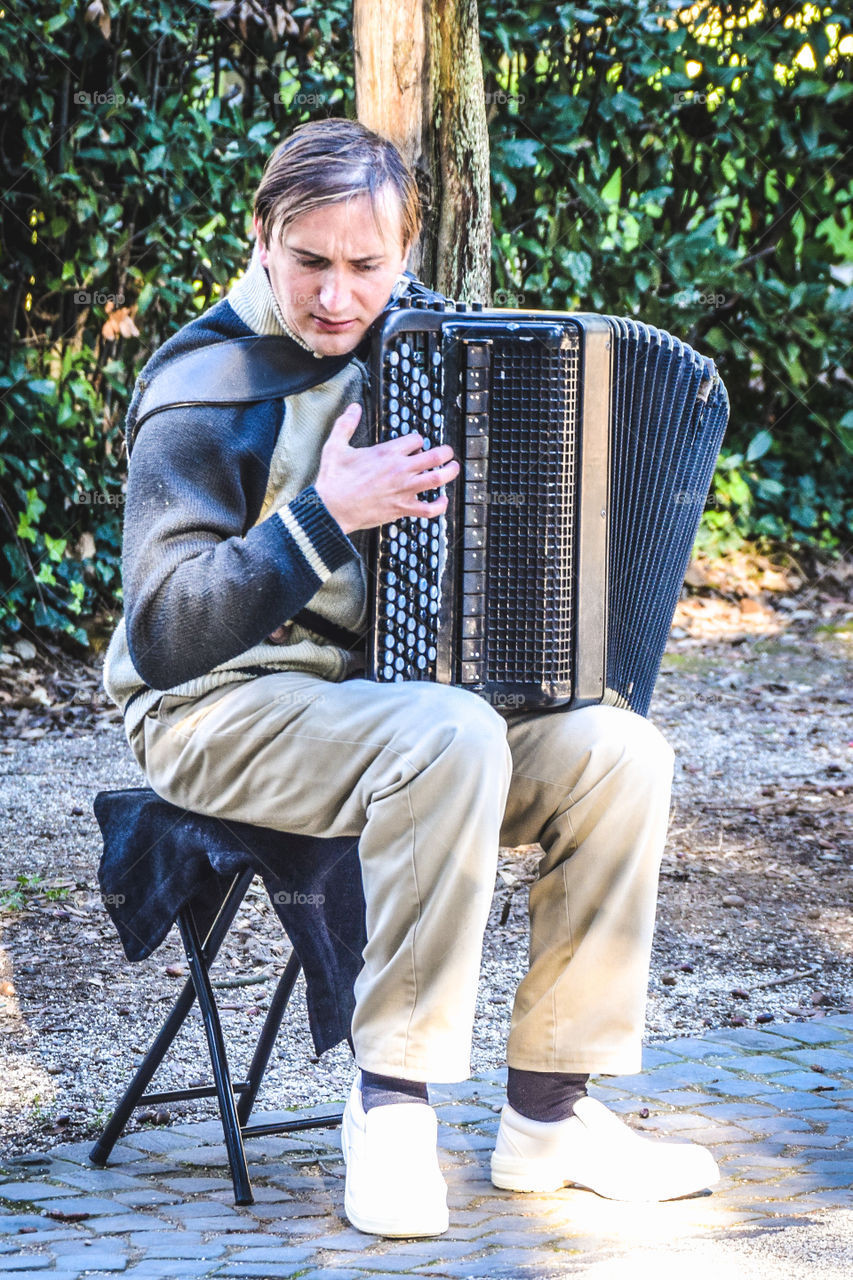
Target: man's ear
x=262, y=249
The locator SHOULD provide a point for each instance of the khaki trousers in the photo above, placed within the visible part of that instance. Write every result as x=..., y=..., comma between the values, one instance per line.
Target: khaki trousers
x=432, y=780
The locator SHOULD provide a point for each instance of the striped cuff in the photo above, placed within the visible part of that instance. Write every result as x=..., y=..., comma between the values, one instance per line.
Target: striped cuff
x=317, y=533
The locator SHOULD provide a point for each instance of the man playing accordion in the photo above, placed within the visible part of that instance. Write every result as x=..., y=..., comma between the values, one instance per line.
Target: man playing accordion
x=242, y=684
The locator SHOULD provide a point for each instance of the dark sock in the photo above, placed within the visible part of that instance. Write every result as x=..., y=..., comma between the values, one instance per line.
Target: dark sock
x=381, y=1091
x=544, y=1095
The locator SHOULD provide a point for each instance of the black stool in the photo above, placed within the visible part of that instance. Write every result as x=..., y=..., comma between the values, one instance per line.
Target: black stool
x=162, y=864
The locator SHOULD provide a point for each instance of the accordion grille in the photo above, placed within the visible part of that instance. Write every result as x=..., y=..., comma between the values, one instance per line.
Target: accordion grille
x=532, y=513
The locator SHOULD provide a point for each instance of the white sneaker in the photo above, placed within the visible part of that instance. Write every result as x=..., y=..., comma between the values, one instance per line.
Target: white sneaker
x=596, y=1150
x=394, y=1186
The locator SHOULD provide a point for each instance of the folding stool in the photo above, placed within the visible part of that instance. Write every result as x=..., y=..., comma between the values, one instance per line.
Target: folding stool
x=137, y=825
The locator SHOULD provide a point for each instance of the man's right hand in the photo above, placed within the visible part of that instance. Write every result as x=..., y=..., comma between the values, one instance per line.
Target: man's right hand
x=362, y=488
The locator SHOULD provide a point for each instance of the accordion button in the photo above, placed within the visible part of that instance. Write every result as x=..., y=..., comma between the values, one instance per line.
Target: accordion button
x=387, y=673
x=422, y=662
x=405, y=349
x=393, y=358
x=431, y=653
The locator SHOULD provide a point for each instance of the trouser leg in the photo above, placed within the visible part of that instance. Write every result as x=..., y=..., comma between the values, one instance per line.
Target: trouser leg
x=420, y=773
x=593, y=787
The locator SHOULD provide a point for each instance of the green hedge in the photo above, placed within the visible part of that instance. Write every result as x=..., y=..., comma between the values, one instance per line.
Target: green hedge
x=713, y=204
x=696, y=175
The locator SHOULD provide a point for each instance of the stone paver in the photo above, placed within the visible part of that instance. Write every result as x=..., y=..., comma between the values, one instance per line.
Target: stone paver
x=775, y=1106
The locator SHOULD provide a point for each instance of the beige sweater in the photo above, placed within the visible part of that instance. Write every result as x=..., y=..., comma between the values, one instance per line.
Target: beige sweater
x=293, y=466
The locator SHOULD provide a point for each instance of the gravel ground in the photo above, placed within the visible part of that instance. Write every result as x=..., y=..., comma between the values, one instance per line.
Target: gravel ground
x=753, y=924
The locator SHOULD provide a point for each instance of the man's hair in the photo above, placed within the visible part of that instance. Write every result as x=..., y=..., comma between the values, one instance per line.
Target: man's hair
x=325, y=162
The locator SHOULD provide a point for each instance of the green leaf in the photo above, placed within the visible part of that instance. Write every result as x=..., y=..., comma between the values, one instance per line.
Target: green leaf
x=759, y=445
x=521, y=153
x=43, y=387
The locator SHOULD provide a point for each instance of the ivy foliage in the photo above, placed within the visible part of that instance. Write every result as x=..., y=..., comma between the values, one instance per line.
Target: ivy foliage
x=688, y=167
x=132, y=140
x=692, y=168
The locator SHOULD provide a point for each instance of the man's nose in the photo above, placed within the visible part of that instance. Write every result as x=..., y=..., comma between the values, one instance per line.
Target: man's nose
x=334, y=294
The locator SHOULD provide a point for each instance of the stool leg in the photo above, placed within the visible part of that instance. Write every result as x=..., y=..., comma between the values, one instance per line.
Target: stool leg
x=219, y=1061
x=266, y=1039
x=100, y=1152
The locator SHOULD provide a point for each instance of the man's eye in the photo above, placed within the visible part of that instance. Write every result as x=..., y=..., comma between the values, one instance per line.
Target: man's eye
x=363, y=266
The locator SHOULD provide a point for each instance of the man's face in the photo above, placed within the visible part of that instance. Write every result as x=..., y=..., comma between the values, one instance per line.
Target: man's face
x=333, y=270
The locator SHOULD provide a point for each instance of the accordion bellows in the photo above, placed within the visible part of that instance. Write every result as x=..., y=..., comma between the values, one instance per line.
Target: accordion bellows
x=587, y=445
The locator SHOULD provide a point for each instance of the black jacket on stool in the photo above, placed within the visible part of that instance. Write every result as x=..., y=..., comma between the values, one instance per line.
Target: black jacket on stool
x=157, y=858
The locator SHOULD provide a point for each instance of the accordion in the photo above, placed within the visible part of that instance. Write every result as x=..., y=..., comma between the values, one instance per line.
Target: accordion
x=587, y=445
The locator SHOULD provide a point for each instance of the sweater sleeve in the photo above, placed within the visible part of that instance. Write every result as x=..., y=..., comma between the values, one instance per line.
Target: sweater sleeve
x=200, y=588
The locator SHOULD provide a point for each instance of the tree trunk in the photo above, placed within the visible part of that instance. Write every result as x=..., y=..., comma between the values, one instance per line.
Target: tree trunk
x=419, y=82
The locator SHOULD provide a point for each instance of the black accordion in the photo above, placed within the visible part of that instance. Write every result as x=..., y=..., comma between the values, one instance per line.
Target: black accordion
x=587, y=446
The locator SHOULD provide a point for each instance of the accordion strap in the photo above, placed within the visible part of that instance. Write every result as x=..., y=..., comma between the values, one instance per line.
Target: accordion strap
x=234, y=371
x=249, y=370
x=328, y=630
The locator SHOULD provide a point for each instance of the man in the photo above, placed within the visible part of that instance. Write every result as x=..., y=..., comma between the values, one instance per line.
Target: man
x=245, y=588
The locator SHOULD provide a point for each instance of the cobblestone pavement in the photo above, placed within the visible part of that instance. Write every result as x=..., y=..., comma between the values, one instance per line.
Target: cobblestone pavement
x=775, y=1106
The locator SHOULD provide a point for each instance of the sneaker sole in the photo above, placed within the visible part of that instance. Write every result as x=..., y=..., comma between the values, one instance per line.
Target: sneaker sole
x=396, y=1230
x=514, y=1175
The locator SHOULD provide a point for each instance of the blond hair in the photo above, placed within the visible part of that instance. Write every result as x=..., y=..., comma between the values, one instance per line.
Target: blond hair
x=327, y=161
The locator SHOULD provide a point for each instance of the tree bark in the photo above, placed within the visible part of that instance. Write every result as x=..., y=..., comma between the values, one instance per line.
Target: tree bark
x=419, y=82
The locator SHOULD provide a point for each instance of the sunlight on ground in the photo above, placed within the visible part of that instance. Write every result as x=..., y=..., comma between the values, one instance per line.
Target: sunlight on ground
x=816, y=1247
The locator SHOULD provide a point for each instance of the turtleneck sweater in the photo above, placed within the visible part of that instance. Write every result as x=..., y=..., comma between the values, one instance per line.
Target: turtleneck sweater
x=225, y=538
